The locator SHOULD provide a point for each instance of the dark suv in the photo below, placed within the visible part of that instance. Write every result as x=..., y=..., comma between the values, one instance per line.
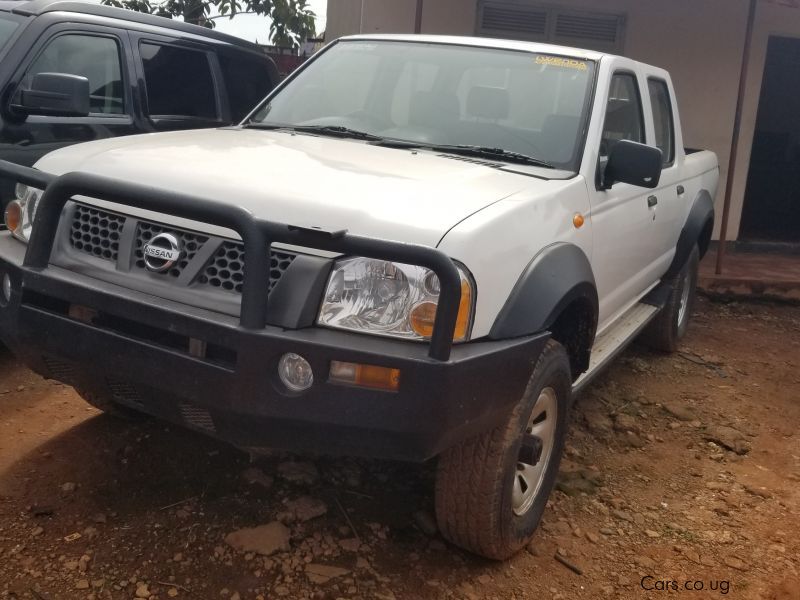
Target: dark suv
x=73, y=72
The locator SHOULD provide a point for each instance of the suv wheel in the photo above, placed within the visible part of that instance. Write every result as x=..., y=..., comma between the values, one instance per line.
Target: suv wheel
x=669, y=327
x=491, y=490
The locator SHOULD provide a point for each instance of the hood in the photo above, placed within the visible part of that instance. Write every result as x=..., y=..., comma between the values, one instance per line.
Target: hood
x=304, y=180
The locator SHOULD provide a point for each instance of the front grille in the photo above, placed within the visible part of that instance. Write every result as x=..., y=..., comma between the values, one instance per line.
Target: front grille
x=96, y=232
x=226, y=268
x=190, y=242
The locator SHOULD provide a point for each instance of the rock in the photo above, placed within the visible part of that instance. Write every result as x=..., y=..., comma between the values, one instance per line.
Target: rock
x=264, y=540
x=634, y=441
x=69, y=487
x=760, y=492
x=321, y=574
x=598, y=423
x=426, y=522
x=622, y=515
x=645, y=562
x=37, y=531
x=142, y=591
x=728, y=438
x=172, y=592
x=735, y=563
x=652, y=534
x=717, y=486
x=306, y=508
x=255, y=476
x=592, y=537
x=82, y=584
x=607, y=531
x=350, y=545
x=624, y=423
x=681, y=413
x=575, y=483
x=303, y=473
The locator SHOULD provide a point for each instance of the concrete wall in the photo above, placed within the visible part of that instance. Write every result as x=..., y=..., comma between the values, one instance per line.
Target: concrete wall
x=699, y=42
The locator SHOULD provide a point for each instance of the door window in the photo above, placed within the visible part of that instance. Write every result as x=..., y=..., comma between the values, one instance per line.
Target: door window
x=178, y=81
x=94, y=57
x=624, y=116
x=248, y=81
x=662, y=117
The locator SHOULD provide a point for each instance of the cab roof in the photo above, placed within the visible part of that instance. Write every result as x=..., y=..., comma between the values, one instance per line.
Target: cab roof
x=482, y=42
x=40, y=7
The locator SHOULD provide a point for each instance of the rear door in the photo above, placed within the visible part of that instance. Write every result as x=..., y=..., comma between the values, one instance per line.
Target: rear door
x=670, y=195
x=98, y=53
x=180, y=83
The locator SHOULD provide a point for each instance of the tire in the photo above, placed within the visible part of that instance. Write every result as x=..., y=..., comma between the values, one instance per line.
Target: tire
x=102, y=402
x=481, y=504
x=665, y=332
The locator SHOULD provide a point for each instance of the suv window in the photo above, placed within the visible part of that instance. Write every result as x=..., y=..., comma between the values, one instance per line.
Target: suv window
x=624, y=115
x=94, y=57
x=7, y=29
x=662, y=117
x=178, y=81
x=248, y=80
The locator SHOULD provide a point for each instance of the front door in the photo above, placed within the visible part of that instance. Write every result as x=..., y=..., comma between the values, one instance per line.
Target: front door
x=97, y=53
x=623, y=252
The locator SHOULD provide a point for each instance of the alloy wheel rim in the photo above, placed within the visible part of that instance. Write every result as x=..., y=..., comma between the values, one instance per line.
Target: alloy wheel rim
x=539, y=434
x=683, y=307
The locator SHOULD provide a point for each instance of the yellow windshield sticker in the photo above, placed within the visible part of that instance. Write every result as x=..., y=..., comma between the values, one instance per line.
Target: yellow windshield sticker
x=564, y=63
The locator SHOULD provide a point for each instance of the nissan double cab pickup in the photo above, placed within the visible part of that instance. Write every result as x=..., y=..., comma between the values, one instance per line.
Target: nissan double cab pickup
x=415, y=247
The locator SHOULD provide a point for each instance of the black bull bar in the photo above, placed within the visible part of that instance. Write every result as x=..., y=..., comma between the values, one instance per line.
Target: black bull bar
x=257, y=235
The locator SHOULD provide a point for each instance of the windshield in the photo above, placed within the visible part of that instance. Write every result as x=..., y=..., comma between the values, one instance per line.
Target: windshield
x=443, y=94
x=7, y=28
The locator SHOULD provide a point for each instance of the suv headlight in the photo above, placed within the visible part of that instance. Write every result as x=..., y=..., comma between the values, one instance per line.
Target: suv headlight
x=21, y=212
x=389, y=299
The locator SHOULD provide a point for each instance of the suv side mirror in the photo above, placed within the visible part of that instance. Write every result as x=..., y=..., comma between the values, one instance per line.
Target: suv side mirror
x=633, y=163
x=55, y=94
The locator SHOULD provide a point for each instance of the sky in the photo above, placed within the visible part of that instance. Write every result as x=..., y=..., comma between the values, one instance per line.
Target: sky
x=256, y=28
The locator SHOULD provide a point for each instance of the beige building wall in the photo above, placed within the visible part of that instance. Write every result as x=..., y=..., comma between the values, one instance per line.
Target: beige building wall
x=699, y=41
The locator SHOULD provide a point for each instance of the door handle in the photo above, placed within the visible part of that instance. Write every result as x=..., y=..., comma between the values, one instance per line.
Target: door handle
x=652, y=201
x=681, y=190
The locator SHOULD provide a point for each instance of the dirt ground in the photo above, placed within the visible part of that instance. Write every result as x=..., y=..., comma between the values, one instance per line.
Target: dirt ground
x=682, y=468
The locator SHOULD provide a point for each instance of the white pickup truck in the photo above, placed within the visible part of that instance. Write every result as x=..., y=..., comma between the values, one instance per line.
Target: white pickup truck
x=416, y=247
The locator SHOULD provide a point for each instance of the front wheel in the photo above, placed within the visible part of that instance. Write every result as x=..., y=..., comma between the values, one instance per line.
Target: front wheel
x=491, y=490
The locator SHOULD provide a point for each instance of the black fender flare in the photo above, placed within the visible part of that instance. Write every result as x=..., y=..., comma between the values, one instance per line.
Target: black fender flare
x=701, y=217
x=556, y=277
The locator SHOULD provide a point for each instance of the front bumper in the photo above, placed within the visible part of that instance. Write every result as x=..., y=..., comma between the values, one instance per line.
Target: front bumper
x=136, y=349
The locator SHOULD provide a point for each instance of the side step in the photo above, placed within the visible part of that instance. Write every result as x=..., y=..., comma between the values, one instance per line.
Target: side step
x=609, y=345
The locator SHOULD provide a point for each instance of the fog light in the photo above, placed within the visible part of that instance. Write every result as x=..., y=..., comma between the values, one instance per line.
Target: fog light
x=295, y=372
x=369, y=376
x=6, y=289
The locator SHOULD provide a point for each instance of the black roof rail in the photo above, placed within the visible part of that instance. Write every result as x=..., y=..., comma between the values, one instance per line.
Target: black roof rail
x=39, y=7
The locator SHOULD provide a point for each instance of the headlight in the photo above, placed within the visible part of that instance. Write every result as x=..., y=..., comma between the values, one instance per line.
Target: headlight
x=389, y=299
x=21, y=212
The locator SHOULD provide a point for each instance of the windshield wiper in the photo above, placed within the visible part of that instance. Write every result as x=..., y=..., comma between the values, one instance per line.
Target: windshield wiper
x=467, y=150
x=332, y=130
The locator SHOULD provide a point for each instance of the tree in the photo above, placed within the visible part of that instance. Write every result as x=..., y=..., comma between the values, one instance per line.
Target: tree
x=292, y=20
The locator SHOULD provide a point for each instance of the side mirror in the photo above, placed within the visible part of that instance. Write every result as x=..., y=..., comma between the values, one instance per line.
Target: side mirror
x=635, y=164
x=55, y=94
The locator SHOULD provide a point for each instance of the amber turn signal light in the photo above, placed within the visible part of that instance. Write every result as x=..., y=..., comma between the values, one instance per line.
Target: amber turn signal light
x=368, y=376
x=423, y=315
x=13, y=215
